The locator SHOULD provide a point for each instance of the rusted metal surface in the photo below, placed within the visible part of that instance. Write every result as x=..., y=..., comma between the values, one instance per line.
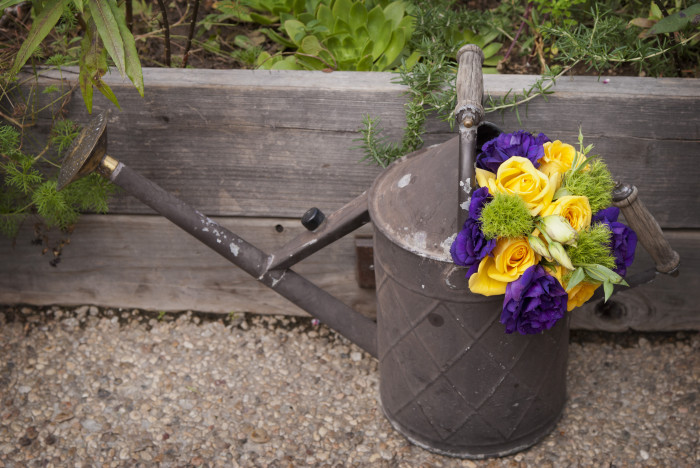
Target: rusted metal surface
x=85, y=153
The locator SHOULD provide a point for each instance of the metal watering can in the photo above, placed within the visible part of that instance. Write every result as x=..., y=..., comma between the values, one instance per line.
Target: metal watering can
x=451, y=380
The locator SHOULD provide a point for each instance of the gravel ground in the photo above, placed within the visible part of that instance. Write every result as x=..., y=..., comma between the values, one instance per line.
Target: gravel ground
x=90, y=387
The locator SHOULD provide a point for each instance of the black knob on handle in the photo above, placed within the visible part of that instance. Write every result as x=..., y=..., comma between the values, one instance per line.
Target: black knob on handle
x=312, y=219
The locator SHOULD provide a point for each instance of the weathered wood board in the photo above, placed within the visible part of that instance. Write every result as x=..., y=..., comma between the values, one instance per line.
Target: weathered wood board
x=273, y=143
x=146, y=262
x=257, y=148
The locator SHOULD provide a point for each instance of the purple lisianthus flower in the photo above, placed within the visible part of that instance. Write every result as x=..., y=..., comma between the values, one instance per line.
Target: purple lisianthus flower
x=480, y=197
x=623, y=241
x=606, y=215
x=519, y=143
x=470, y=246
x=533, y=303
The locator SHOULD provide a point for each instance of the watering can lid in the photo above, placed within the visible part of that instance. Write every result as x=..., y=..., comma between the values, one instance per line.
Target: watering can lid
x=414, y=201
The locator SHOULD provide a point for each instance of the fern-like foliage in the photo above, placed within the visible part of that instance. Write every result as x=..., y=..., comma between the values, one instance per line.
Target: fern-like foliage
x=28, y=183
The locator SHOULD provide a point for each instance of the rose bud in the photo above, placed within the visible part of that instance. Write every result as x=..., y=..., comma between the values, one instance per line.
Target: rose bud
x=539, y=247
x=559, y=229
x=560, y=255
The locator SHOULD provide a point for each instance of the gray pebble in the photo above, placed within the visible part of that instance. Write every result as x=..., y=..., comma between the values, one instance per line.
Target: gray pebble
x=261, y=392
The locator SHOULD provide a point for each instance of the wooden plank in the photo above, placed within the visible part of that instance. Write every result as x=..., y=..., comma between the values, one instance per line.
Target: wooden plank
x=145, y=262
x=666, y=304
x=274, y=143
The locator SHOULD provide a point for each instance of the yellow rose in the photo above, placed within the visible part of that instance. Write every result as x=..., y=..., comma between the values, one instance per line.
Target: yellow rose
x=517, y=176
x=579, y=294
x=510, y=259
x=575, y=209
x=558, y=158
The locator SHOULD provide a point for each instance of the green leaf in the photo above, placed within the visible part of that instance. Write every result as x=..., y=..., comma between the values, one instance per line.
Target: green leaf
x=325, y=16
x=263, y=19
x=396, y=45
x=492, y=61
x=264, y=61
x=108, y=30
x=310, y=45
x=608, y=288
x=375, y=23
x=361, y=37
x=86, y=89
x=358, y=16
x=407, y=22
x=106, y=91
x=8, y=3
x=676, y=21
x=347, y=51
x=412, y=59
x=90, y=52
x=341, y=9
x=295, y=30
x=131, y=56
x=288, y=63
x=382, y=40
x=365, y=64
x=275, y=37
x=43, y=24
x=576, y=277
x=340, y=26
x=601, y=273
x=394, y=12
x=78, y=5
x=491, y=49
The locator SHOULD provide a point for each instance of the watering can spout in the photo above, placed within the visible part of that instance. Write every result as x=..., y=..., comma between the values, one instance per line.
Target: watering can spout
x=88, y=154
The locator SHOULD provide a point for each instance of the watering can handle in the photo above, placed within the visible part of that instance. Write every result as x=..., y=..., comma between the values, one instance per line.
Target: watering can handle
x=469, y=113
x=648, y=230
x=470, y=86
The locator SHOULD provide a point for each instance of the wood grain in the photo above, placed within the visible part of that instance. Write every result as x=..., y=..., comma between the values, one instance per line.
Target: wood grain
x=274, y=143
x=145, y=262
x=258, y=148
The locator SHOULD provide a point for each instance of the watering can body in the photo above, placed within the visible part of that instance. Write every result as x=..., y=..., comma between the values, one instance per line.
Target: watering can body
x=451, y=380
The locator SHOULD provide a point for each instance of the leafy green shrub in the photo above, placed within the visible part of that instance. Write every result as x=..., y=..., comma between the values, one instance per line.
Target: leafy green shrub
x=105, y=35
x=345, y=35
x=29, y=183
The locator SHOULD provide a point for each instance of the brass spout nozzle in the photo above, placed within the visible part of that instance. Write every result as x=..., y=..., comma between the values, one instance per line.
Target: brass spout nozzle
x=87, y=154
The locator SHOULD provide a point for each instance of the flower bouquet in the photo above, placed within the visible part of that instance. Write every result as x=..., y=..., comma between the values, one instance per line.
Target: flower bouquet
x=541, y=230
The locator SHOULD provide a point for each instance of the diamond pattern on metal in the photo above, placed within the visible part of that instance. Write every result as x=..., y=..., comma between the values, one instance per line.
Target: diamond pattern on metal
x=453, y=381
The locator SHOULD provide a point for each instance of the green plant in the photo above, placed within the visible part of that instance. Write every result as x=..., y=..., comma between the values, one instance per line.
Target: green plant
x=263, y=12
x=345, y=35
x=29, y=182
x=105, y=36
x=439, y=34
